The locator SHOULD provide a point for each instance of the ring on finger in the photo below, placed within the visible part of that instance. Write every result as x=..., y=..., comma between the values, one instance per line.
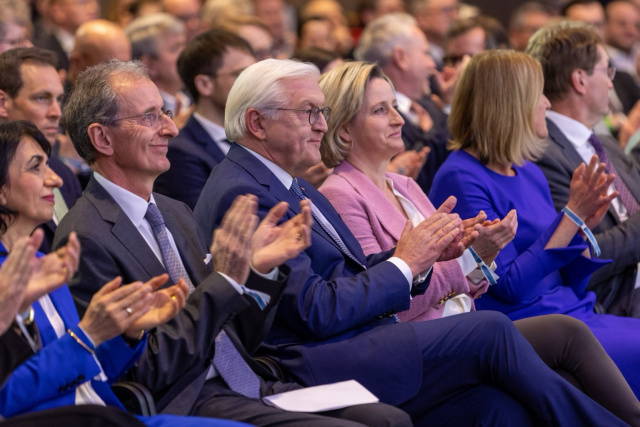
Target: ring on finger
x=129, y=310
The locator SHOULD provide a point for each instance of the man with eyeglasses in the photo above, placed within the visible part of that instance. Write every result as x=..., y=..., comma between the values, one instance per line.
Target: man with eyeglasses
x=198, y=363
x=578, y=87
x=208, y=66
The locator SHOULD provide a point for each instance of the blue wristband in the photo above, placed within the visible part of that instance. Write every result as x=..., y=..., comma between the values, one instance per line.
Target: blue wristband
x=580, y=223
x=486, y=271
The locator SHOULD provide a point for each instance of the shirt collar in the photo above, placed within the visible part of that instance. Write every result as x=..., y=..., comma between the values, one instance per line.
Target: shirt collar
x=577, y=133
x=134, y=206
x=215, y=131
x=404, y=103
x=285, y=178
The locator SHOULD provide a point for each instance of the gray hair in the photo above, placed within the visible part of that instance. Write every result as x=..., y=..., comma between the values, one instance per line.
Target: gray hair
x=260, y=87
x=93, y=99
x=144, y=32
x=382, y=35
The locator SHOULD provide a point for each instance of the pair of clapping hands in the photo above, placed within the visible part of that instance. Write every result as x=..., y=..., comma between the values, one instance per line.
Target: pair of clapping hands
x=444, y=236
x=239, y=243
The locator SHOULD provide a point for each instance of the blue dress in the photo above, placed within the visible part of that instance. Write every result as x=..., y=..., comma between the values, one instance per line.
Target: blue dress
x=534, y=281
x=50, y=377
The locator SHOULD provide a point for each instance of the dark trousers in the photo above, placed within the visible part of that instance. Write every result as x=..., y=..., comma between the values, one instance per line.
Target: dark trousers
x=465, y=351
x=218, y=401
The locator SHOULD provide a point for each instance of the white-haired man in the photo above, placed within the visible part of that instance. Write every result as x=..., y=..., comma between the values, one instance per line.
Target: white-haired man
x=337, y=317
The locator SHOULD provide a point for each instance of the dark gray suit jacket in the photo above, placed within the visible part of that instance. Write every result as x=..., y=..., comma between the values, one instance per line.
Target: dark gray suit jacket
x=179, y=353
x=619, y=241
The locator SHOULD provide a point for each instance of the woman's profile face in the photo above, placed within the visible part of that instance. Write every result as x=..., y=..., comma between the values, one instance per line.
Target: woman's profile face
x=539, y=120
x=376, y=130
x=29, y=190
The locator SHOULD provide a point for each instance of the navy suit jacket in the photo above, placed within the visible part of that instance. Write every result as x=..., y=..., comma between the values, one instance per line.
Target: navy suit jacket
x=436, y=139
x=71, y=192
x=192, y=154
x=335, y=321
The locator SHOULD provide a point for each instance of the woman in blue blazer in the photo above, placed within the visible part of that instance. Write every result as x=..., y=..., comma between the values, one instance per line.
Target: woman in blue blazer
x=76, y=360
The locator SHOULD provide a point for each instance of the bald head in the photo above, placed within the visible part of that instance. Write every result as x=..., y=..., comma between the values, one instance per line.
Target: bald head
x=95, y=42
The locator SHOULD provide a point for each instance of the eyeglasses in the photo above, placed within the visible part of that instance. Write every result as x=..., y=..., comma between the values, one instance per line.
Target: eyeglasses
x=151, y=119
x=314, y=113
x=611, y=71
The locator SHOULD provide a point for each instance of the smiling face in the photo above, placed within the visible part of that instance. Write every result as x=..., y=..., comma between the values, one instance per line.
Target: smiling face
x=376, y=130
x=38, y=100
x=139, y=150
x=29, y=190
x=292, y=143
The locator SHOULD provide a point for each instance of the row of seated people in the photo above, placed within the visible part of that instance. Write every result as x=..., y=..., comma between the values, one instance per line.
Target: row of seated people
x=448, y=370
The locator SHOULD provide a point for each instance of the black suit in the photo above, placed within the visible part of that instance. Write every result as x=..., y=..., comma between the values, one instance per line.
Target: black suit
x=619, y=241
x=46, y=40
x=436, y=139
x=113, y=246
x=627, y=90
x=192, y=154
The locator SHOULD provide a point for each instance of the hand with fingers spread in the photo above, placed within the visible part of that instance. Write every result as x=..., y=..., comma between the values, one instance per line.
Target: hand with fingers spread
x=422, y=246
x=588, y=192
x=114, y=309
x=495, y=235
x=273, y=244
x=15, y=273
x=163, y=306
x=52, y=270
x=231, y=248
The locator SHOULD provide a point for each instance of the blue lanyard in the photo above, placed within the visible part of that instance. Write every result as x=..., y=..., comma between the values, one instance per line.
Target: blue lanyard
x=580, y=223
x=486, y=271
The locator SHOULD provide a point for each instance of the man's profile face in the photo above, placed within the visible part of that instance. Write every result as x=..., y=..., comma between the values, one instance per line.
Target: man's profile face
x=234, y=62
x=170, y=45
x=291, y=141
x=421, y=64
x=599, y=84
x=139, y=149
x=38, y=100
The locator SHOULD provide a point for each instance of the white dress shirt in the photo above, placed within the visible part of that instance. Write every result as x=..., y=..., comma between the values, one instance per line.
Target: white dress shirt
x=578, y=135
x=404, y=107
x=215, y=131
x=286, y=179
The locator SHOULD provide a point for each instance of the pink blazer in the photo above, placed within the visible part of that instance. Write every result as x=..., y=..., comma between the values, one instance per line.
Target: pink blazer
x=377, y=225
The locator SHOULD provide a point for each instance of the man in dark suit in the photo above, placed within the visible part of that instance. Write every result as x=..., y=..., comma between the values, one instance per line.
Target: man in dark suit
x=409, y=66
x=128, y=231
x=30, y=89
x=208, y=67
x=578, y=86
x=337, y=317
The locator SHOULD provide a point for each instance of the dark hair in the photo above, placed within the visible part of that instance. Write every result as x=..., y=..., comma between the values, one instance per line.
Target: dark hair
x=562, y=48
x=11, y=134
x=203, y=55
x=316, y=55
x=495, y=36
x=572, y=3
x=11, y=60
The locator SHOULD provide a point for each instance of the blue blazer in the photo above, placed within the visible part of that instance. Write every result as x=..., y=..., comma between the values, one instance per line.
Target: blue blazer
x=335, y=320
x=49, y=378
x=192, y=154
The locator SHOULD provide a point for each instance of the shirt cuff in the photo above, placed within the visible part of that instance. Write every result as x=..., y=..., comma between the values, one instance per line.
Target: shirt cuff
x=476, y=276
x=404, y=268
x=272, y=275
x=233, y=283
x=467, y=263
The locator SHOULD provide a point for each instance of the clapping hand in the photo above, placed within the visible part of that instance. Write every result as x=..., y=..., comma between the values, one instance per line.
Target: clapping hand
x=273, y=244
x=588, y=192
x=15, y=273
x=495, y=235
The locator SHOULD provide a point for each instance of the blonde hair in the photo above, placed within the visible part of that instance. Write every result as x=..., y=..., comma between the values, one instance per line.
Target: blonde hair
x=344, y=88
x=493, y=108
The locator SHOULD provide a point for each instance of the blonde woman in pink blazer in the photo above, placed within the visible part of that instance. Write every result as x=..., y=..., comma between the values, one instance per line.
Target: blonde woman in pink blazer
x=363, y=135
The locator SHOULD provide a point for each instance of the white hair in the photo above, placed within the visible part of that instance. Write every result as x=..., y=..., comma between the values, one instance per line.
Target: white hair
x=382, y=35
x=144, y=33
x=260, y=87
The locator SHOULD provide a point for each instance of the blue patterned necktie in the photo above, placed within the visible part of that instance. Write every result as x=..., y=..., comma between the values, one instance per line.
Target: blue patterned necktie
x=171, y=261
x=233, y=369
x=296, y=191
x=627, y=199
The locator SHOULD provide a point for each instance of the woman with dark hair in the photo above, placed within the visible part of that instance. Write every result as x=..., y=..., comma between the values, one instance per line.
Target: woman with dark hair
x=75, y=360
x=498, y=124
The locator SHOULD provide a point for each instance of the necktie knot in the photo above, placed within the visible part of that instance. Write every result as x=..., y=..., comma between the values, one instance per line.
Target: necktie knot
x=296, y=191
x=154, y=216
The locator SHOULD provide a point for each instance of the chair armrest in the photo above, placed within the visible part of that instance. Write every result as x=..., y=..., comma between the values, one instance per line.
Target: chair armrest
x=136, y=398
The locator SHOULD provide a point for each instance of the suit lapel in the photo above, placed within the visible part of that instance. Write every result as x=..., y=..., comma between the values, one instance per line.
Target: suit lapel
x=263, y=175
x=200, y=136
x=124, y=230
x=190, y=254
